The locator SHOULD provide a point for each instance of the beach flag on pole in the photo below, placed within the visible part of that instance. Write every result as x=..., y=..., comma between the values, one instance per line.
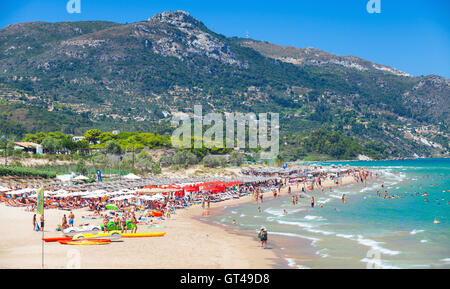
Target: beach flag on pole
x=40, y=201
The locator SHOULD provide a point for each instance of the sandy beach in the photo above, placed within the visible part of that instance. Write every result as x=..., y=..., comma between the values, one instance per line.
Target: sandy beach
x=189, y=243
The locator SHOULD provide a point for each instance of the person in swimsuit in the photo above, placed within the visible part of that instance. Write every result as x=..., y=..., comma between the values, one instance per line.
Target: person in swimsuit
x=134, y=223
x=312, y=202
x=42, y=222
x=116, y=222
x=263, y=237
x=34, y=222
x=71, y=218
x=123, y=224
x=64, y=222
x=105, y=224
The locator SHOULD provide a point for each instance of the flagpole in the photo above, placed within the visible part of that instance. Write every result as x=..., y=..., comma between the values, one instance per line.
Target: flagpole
x=42, y=266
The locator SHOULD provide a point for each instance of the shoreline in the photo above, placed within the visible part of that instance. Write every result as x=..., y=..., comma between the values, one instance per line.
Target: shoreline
x=282, y=262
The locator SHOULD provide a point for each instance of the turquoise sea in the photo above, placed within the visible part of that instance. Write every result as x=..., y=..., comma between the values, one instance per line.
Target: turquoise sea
x=366, y=231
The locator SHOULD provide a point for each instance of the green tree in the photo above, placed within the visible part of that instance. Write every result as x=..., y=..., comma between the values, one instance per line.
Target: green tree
x=93, y=135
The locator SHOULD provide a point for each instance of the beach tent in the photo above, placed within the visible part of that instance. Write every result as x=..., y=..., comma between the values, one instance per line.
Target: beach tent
x=132, y=176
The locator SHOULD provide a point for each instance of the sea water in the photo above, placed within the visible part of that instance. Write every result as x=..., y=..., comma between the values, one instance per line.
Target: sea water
x=366, y=231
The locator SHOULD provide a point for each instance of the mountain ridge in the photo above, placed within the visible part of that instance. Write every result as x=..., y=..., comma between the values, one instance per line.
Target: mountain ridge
x=121, y=73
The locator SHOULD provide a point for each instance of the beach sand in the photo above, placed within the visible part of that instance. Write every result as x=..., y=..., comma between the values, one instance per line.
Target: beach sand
x=189, y=243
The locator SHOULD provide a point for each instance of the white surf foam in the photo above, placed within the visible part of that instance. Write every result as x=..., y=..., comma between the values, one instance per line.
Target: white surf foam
x=291, y=263
x=413, y=232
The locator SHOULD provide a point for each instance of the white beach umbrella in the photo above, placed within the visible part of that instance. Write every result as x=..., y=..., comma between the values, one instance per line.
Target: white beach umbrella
x=132, y=176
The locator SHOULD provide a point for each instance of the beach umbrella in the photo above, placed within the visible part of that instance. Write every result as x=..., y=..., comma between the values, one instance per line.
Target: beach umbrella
x=81, y=178
x=132, y=176
x=112, y=207
x=156, y=191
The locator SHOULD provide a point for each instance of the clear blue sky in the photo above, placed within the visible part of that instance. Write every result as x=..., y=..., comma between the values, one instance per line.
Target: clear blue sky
x=411, y=35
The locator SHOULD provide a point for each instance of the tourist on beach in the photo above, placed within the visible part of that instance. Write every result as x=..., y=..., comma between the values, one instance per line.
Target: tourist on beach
x=133, y=223
x=116, y=222
x=64, y=222
x=261, y=198
x=105, y=223
x=42, y=222
x=259, y=209
x=71, y=218
x=312, y=202
x=123, y=224
x=263, y=237
x=35, y=224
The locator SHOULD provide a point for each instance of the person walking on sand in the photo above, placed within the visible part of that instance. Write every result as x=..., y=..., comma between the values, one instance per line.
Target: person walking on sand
x=312, y=202
x=262, y=235
x=133, y=223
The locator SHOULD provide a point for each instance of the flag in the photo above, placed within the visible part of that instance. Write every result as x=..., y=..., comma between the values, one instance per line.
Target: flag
x=99, y=176
x=40, y=201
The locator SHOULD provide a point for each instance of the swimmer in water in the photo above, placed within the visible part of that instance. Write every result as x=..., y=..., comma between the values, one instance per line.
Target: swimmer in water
x=343, y=198
x=259, y=209
x=436, y=221
x=285, y=212
x=234, y=222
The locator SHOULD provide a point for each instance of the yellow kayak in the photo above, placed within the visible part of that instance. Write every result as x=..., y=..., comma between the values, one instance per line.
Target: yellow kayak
x=141, y=235
x=109, y=235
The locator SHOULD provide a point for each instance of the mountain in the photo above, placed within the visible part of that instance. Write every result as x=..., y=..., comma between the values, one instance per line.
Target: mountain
x=132, y=75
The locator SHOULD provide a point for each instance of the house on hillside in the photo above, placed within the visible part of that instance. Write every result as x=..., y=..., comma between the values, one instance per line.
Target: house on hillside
x=29, y=147
x=77, y=138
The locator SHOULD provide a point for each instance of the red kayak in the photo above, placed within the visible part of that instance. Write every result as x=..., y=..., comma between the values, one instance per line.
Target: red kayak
x=57, y=239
